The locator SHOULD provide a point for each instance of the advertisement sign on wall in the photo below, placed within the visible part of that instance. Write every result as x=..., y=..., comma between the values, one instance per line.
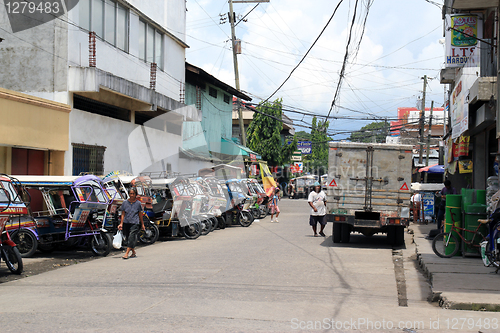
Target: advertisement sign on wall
x=462, y=48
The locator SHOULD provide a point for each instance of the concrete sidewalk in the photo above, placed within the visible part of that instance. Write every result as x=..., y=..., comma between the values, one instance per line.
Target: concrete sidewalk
x=457, y=283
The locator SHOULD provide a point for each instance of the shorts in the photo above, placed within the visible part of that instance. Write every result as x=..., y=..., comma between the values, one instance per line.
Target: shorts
x=314, y=219
x=130, y=232
x=274, y=209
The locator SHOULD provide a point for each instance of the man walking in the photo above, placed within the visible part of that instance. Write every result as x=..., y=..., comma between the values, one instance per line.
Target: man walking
x=317, y=201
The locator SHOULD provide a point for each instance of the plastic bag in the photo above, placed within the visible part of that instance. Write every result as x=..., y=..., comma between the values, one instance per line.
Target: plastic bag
x=117, y=240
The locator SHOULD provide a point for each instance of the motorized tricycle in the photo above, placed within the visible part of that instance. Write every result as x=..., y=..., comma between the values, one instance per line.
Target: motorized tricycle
x=300, y=187
x=173, y=208
x=11, y=204
x=74, y=214
x=235, y=212
x=119, y=183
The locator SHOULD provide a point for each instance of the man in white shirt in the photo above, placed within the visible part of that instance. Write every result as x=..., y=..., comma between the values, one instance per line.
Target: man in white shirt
x=317, y=201
x=416, y=203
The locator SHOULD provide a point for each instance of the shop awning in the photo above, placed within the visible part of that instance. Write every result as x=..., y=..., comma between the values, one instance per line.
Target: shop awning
x=229, y=147
x=433, y=169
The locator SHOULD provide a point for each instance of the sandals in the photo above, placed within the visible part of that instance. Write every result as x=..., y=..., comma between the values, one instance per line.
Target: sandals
x=125, y=257
x=322, y=234
x=133, y=256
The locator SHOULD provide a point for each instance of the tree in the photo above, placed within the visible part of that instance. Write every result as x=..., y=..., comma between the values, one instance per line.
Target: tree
x=319, y=140
x=377, y=130
x=263, y=134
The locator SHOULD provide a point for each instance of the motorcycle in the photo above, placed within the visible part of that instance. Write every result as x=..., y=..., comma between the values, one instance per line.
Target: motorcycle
x=10, y=203
x=236, y=210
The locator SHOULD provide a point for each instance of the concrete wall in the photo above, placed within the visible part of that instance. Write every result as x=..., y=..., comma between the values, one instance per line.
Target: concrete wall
x=129, y=147
x=127, y=64
x=216, y=115
x=35, y=60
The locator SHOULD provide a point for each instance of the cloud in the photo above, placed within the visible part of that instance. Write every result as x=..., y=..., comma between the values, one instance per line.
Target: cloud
x=397, y=35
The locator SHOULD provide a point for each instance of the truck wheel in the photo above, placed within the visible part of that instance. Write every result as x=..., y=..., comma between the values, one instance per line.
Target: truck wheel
x=399, y=238
x=337, y=227
x=345, y=233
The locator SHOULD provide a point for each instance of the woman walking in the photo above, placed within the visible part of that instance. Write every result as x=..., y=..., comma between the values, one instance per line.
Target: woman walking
x=274, y=205
x=131, y=221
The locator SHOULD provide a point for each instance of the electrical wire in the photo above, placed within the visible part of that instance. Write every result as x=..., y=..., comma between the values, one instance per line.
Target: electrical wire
x=309, y=50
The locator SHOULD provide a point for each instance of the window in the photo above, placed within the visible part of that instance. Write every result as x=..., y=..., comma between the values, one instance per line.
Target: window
x=212, y=92
x=108, y=19
x=226, y=98
x=88, y=159
x=150, y=44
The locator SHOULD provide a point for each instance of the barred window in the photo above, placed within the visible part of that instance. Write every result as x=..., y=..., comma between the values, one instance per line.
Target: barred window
x=88, y=159
x=212, y=92
x=226, y=98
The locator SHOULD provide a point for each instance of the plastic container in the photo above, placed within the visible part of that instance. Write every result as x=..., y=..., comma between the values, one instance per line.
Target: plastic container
x=453, y=213
x=472, y=213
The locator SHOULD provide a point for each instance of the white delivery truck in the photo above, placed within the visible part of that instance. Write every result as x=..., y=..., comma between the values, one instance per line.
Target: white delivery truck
x=369, y=189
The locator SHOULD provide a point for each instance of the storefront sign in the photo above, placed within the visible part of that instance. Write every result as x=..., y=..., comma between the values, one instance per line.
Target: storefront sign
x=305, y=147
x=428, y=203
x=465, y=166
x=462, y=48
x=459, y=104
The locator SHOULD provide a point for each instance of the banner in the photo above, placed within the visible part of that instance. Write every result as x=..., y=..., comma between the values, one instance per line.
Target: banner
x=462, y=48
x=267, y=179
x=465, y=166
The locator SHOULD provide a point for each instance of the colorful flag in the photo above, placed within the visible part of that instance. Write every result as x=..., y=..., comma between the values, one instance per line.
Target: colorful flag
x=267, y=179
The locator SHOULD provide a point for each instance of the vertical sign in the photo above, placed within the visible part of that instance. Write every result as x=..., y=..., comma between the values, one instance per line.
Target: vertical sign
x=462, y=48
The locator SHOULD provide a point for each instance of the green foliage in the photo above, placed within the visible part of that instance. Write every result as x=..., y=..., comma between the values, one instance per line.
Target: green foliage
x=377, y=130
x=319, y=139
x=263, y=134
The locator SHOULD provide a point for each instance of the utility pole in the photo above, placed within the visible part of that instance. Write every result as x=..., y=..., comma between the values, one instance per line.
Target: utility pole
x=232, y=19
x=422, y=119
x=428, y=141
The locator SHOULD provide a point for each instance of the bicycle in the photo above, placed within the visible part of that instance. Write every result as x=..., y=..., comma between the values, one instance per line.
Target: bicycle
x=445, y=240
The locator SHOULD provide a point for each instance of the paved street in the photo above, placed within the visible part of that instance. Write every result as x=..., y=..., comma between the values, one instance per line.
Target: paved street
x=268, y=277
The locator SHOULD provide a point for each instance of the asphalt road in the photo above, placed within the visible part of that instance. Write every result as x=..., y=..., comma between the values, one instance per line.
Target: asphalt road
x=269, y=277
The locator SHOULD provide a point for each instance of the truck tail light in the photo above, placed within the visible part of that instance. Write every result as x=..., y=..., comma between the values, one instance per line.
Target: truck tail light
x=394, y=221
x=339, y=218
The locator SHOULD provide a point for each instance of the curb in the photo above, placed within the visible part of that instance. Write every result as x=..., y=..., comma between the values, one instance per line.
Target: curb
x=442, y=300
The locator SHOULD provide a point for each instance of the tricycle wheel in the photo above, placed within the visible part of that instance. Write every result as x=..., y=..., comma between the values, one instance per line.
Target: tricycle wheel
x=12, y=259
x=26, y=242
x=150, y=235
x=245, y=218
x=193, y=230
x=206, y=227
x=101, y=244
x=263, y=210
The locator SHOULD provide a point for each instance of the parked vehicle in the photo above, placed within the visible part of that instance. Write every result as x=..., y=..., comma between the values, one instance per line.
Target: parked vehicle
x=11, y=204
x=75, y=215
x=115, y=182
x=262, y=200
x=173, y=208
x=369, y=191
x=300, y=187
x=235, y=211
x=251, y=203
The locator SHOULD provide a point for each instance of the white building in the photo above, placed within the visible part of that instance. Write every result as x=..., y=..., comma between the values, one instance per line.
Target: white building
x=109, y=80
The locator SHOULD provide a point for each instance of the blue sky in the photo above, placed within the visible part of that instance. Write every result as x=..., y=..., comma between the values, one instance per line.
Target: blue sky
x=400, y=45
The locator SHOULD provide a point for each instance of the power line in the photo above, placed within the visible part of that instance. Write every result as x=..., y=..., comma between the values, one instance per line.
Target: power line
x=305, y=55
